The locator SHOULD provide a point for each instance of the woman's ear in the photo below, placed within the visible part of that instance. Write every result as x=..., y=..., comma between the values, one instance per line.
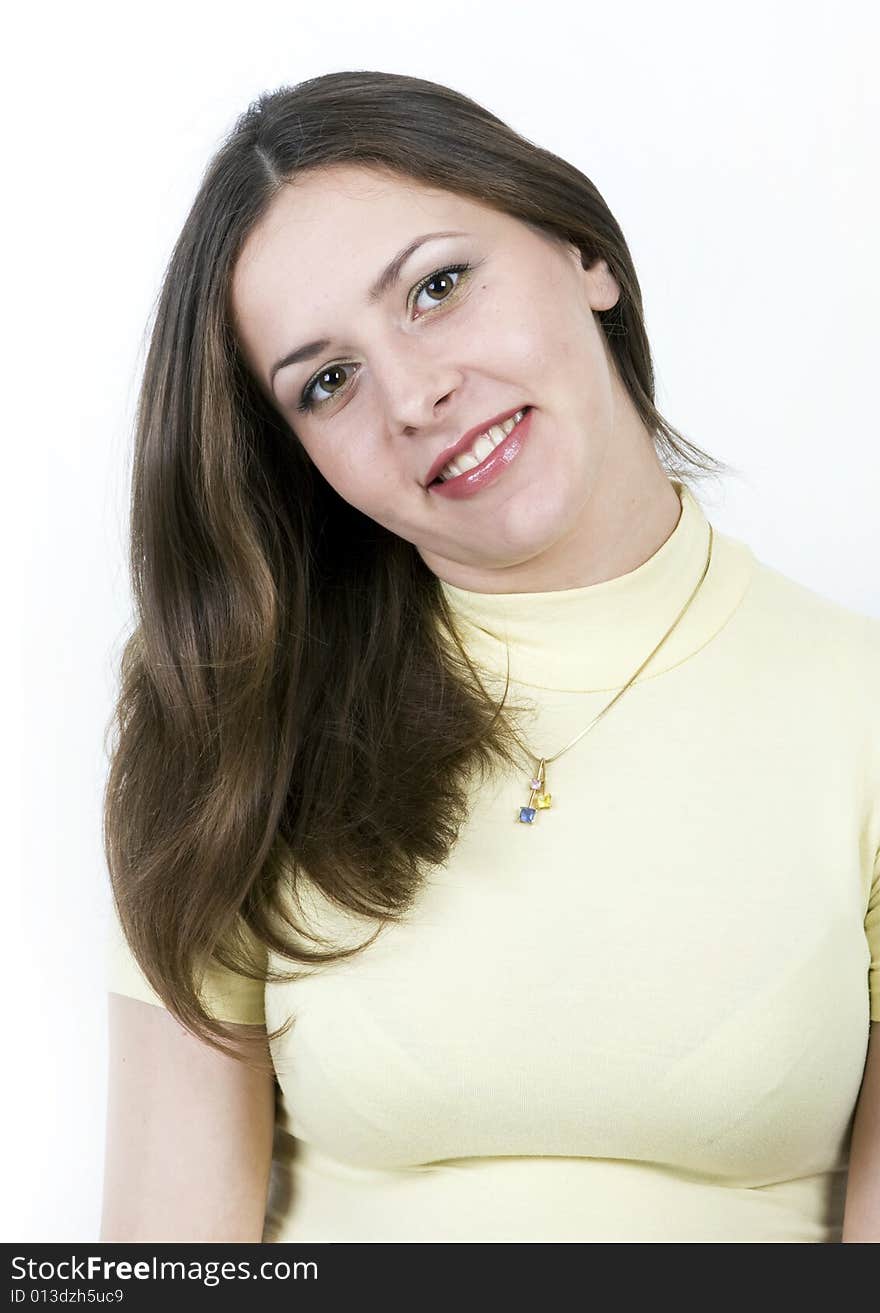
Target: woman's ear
x=602, y=287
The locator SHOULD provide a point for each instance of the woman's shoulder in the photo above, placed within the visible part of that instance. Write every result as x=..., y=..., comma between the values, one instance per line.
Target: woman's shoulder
x=808, y=614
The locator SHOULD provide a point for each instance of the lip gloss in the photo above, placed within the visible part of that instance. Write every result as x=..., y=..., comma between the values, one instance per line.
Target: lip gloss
x=489, y=469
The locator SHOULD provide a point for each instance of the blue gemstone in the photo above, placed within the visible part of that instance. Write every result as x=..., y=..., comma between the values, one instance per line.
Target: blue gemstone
x=527, y=814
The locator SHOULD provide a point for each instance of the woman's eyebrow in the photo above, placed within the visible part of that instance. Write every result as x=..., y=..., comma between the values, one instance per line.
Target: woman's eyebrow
x=386, y=280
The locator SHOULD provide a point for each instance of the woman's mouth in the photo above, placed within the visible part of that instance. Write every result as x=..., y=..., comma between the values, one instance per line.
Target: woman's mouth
x=493, y=464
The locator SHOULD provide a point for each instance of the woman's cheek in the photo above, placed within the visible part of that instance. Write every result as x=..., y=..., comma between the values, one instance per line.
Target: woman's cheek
x=359, y=474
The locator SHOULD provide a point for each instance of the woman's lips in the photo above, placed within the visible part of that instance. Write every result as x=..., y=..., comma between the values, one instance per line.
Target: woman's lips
x=488, y=470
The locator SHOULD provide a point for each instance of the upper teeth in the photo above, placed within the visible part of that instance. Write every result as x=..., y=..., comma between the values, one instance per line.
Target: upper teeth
x=486, y=442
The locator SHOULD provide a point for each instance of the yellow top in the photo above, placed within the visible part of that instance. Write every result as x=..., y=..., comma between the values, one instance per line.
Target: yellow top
x=643, y=1016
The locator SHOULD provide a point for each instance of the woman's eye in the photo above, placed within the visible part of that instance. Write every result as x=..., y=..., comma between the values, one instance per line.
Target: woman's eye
x=439, y=281
x=441, y=277
x=307, y=401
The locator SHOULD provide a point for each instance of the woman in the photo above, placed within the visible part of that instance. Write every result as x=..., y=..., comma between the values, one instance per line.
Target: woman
x=493, y=843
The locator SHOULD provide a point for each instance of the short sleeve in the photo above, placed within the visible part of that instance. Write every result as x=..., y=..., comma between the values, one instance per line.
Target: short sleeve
x=872, y=931
x=228, y=996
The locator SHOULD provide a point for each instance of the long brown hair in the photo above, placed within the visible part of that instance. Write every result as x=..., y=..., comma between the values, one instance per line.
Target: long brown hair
x=287, y=648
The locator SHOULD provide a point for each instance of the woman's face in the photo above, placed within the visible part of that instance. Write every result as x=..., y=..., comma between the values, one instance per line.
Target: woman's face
x=396, y=379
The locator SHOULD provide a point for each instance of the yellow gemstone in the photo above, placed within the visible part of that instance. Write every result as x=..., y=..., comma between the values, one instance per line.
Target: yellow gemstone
x=542, y=800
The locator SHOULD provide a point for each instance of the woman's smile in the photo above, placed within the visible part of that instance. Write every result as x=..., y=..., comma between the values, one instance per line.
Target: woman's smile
x=491, y=467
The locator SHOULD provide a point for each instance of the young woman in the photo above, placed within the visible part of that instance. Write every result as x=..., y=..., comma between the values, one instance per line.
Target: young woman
x=494, y=843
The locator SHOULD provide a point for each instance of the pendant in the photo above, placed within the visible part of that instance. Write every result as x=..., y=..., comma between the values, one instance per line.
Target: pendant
x=538, y=799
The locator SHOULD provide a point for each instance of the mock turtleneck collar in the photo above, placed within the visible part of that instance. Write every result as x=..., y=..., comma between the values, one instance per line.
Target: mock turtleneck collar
x=592, y=638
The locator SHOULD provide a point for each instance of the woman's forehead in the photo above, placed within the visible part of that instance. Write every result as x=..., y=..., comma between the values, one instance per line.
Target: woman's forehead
x=348, y=211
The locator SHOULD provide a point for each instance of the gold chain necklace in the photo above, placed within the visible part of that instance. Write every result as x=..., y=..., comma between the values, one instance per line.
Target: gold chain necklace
x=539, y=798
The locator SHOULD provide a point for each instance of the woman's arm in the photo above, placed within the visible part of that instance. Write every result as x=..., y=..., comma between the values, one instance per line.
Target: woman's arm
x=861, y=1218
x=189, y=1134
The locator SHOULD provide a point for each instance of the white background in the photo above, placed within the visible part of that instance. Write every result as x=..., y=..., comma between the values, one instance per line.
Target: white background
x=736, y=146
